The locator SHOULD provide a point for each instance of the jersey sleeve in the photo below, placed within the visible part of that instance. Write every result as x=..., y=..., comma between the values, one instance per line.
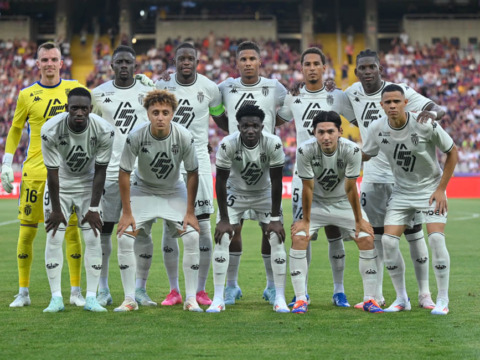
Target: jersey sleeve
x=51, y=157
x=304, y=164
x=104, y=150
x=285, y=111
x=370, y=146
x=215, y=106
x=21, y=112
x=97, y=110
x=354, y=162
x=416, y=101
x=277, y=155
x=224, y=158
x=280, y=93
x=189, y=156
x=129, y=154
x=343, y=106
x=441, y=139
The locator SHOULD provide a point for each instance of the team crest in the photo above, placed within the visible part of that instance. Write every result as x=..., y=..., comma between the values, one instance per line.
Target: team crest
x=27, y=209
x=340, y=164
x=47, y=214
x=140, y=98
x=265, y=90
x=200, y=97
x=175, y=149
x=238, y=155
x=414, y=139
x=263, y=157
x=93, y=141
x=67, y=91
x=330, y=99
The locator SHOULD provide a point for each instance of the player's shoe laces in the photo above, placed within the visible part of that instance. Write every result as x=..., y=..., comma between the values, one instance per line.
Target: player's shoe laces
x=372, y=307
x=280, y=306
x=173, y=298
x=340, y=300
x=425, y=301
x=203, y=299
x=192, y=305
x=232, y=293
x=294, y=299
x=269, y=295
x=76, y=298
x=56, y=305
x=127, y=305
x=441, y=308
x=399, y=305
x=21, y=300
x=91, y=304
x=217, y=306
x=300, y=307
x=104, y=297
x=380, y=303
x=142, y=298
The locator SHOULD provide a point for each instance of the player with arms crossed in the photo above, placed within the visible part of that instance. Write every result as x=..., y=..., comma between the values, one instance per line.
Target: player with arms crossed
x=35, y=105
x=158, y=192
x=198, y=98
x=377, y=183
x=120, y=102
x=329, y=166
x=410, y=148
x=268, y=94
x=311, y=99
x=76, y=147
x=249, y=178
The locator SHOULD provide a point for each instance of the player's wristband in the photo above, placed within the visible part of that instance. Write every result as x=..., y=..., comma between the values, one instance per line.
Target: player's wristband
x=274, y=218
x=95, y=209
x=7, y=159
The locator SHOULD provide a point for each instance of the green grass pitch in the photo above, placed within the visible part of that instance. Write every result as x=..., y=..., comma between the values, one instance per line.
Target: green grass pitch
x=249, y=329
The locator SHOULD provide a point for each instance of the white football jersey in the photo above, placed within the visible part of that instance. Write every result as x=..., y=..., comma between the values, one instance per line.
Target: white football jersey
x=158, y=170
x=196, y=102
x=267, y=94
x=250, y=167
x=329, y=170
x=411, y=153
x=75, y=154
x=367, y=109
x=123, y=108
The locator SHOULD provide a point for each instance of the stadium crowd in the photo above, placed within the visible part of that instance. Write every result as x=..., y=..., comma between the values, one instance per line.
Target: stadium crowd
x=442, y=72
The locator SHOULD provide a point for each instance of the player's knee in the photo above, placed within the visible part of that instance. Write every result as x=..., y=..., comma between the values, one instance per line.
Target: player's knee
x=437, y=244
x=190, y=241
x=299, y=242
x=365, y=243
x=416, y=228
x=107, y=228
x=125, y=243
x=390, y=245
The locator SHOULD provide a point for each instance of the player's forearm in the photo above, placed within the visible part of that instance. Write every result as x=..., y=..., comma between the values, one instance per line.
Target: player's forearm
x=221, y=190
x=221, y=121
x=277, y=187
x=98, y=184
x=279, y=121
x=434, y=107
x=365, y=157
x=307, y=198
x=192, y=188
x=449, y=168
x=124, y=185
x=54, y=189
x=13, y=139
x=352, y=195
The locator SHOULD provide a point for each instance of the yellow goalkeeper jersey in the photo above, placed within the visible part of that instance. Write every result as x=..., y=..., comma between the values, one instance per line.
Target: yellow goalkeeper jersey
x=35, y=105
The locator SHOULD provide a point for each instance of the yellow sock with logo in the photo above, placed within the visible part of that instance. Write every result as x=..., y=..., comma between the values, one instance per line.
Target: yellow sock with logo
x=25, y=252
x=74, y=251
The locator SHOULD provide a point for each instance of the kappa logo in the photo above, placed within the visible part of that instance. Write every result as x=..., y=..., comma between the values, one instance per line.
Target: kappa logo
x=279, y=261
x=355, y=150
x=145, y=256
x=385, y=141
x=63, y=143
x=278, y=146
x=107, y=100
x=77, y=158
x=184, y=114
x=22, y=256
x=54, y=107
x=440, y=267
x=300, y=151
x=295, y=273
x=233, y=89
x=370, y=272
x=238, y=155
x=204, y=249
x=307, y=118
x=161, y=165
x=44, y=138
x=37, y=98
x=338, y=257
x=422, y=260
x=123, y=267
x=392, y=267
x=195, y=267
x=75, y=256
x=51, y=266
x=223, y=147
x=145, y=150
x=220, y=259
x=251, y=173
x=167, y=250
x=297, y=101
x=97, y=267
x=125, y=117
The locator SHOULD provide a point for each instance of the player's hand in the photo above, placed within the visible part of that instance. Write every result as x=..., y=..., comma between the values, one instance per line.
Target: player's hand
x=330, y=84
x=54, y=220
x=300, y=225
x=7, y=177
x=440, y=199
x=94, y=220
x=424, y=116
x=145, y=80
x=190, y=219
x=165, y=76
x=295, y=89
x=363, y=225
x=277, y=228
x=223, y=227
x=125, y=221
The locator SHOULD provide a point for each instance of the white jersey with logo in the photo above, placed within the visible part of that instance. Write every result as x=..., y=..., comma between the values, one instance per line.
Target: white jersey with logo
x=158, y=170
x=123, y=108
x=329, y=170
x=250, y=167
x=267, y=94
x=367, y=109
x=75, y=154
x=196, y=102
x=411, y=153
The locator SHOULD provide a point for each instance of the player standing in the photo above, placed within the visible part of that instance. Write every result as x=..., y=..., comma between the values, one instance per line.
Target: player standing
x=120, y=102
x=329, y=166
x=410, y=148
x=377, y=183
x=35, y=105
x=249, y=178
x=158, y=192
x=76, y=146
x=198, y=98
x=268, y=94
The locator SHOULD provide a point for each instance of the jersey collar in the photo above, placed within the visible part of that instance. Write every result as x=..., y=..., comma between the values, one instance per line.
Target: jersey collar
x=49, y=87
x=404, y=125
x=376, y=92
x=185, y=85
x=249, y=85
